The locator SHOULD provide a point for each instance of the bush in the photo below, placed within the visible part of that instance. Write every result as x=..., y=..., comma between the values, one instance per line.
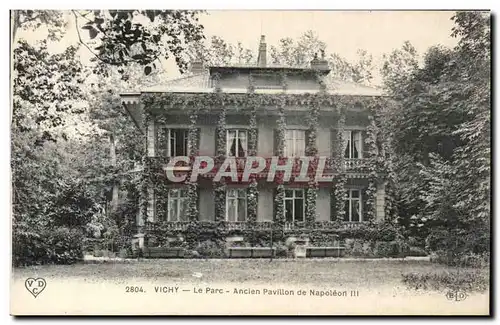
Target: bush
x=98, y=253
x=371, y=232
x=464, y=280
x=458, y=246
x=124, y=253
x=104, y=253
x=93, y=244
x=353, y=247
x=437, y=240
x=358, y=248
x=388, y=249
x=210, y=249
x=281, y=250
x=465, y=260
x=415, y=251
x=191, y=254
x=475, y=260
x=47, y=246
x=386, y=232
x=415, y=242
x=65, y=245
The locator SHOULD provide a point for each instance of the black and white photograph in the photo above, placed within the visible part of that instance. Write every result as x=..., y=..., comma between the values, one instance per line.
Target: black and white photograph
x=250, y=162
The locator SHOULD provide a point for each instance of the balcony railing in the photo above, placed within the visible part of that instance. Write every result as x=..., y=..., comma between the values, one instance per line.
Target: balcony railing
x=361, y=165
x=357, y=165
x=236, y=225
x=166, y=226
x=264, y=225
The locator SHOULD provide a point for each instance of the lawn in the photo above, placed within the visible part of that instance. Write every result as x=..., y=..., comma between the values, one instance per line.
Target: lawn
x=101, y=288
x=363, y=273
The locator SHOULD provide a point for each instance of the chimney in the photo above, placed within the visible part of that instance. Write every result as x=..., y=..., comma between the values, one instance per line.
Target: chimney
x=319, y=64
x=262, y=57
x=197, y=67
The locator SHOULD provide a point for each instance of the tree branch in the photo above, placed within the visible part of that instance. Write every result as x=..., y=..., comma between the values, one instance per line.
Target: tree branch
x=111, y=62
x=81, y=41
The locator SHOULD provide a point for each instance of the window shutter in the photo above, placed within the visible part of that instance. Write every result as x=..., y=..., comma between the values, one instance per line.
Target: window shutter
x=161, y=141
x=306, y=142
x=274, y=204
x=219, y=142
x=151, y=205
x=198, y=140
x=198, y=203
x=364, y=146
x=162, y=205
x=333, y=211
x=275, y=143
x=151, y=138
x=256, y=148
x=364, y=199
x=256, y=141
x=334, y=141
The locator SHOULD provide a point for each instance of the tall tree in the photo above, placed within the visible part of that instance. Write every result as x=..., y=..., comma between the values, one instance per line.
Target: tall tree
x=442, y=131
x=472, y=78
x=120, y=37
x=398, y=68
x=46, y=88
x=219, y=52
x=34, y=19
x=300, y=52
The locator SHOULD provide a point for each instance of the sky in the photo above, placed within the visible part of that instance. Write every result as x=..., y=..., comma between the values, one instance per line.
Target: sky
x=344, y=32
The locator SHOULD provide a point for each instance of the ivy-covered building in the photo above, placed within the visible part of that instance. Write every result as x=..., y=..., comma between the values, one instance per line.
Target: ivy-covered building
x=264, y=111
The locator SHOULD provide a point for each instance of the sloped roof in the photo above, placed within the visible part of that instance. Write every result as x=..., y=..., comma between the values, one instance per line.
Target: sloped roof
x=341, y=87
x=199, y=83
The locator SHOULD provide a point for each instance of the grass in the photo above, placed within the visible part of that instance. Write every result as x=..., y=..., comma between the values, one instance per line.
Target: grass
x=460, y=280
x=301, y=271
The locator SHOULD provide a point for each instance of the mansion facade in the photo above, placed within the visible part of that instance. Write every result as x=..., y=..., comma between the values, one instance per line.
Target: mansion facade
x=264, y=111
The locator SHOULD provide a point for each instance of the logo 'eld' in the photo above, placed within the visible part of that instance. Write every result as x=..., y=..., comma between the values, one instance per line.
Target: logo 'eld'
x=35, y=286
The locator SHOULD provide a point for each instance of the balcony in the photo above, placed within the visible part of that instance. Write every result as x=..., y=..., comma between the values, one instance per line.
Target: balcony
x=166, y=226
x=264, y=225
x=361, y=166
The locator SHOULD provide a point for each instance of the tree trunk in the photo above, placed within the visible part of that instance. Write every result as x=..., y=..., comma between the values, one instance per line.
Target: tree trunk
x=112, y=153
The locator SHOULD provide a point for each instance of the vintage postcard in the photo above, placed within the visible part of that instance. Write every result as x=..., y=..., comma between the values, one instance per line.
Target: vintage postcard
x=198, y=162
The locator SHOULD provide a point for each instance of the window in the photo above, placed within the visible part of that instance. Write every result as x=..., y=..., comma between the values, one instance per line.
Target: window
x=353, y=206
x=236, y=143
x=178, y=142
x=177, y=205
x=236, y=205
x=352, y=144
x=294, y=205
x=295, y=144
x=172, y=142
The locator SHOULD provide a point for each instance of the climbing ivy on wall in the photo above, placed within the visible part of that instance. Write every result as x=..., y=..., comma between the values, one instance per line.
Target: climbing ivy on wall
x=192, y=186
x=252, y=198
x=311, y=150
x=158, y=106
x=385, y=155
x=372, y=152
x=220, y=152
x=279, y=216
x=338, y=185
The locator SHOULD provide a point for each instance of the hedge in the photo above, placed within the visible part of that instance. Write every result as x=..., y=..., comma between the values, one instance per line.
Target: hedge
x=46, y=246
